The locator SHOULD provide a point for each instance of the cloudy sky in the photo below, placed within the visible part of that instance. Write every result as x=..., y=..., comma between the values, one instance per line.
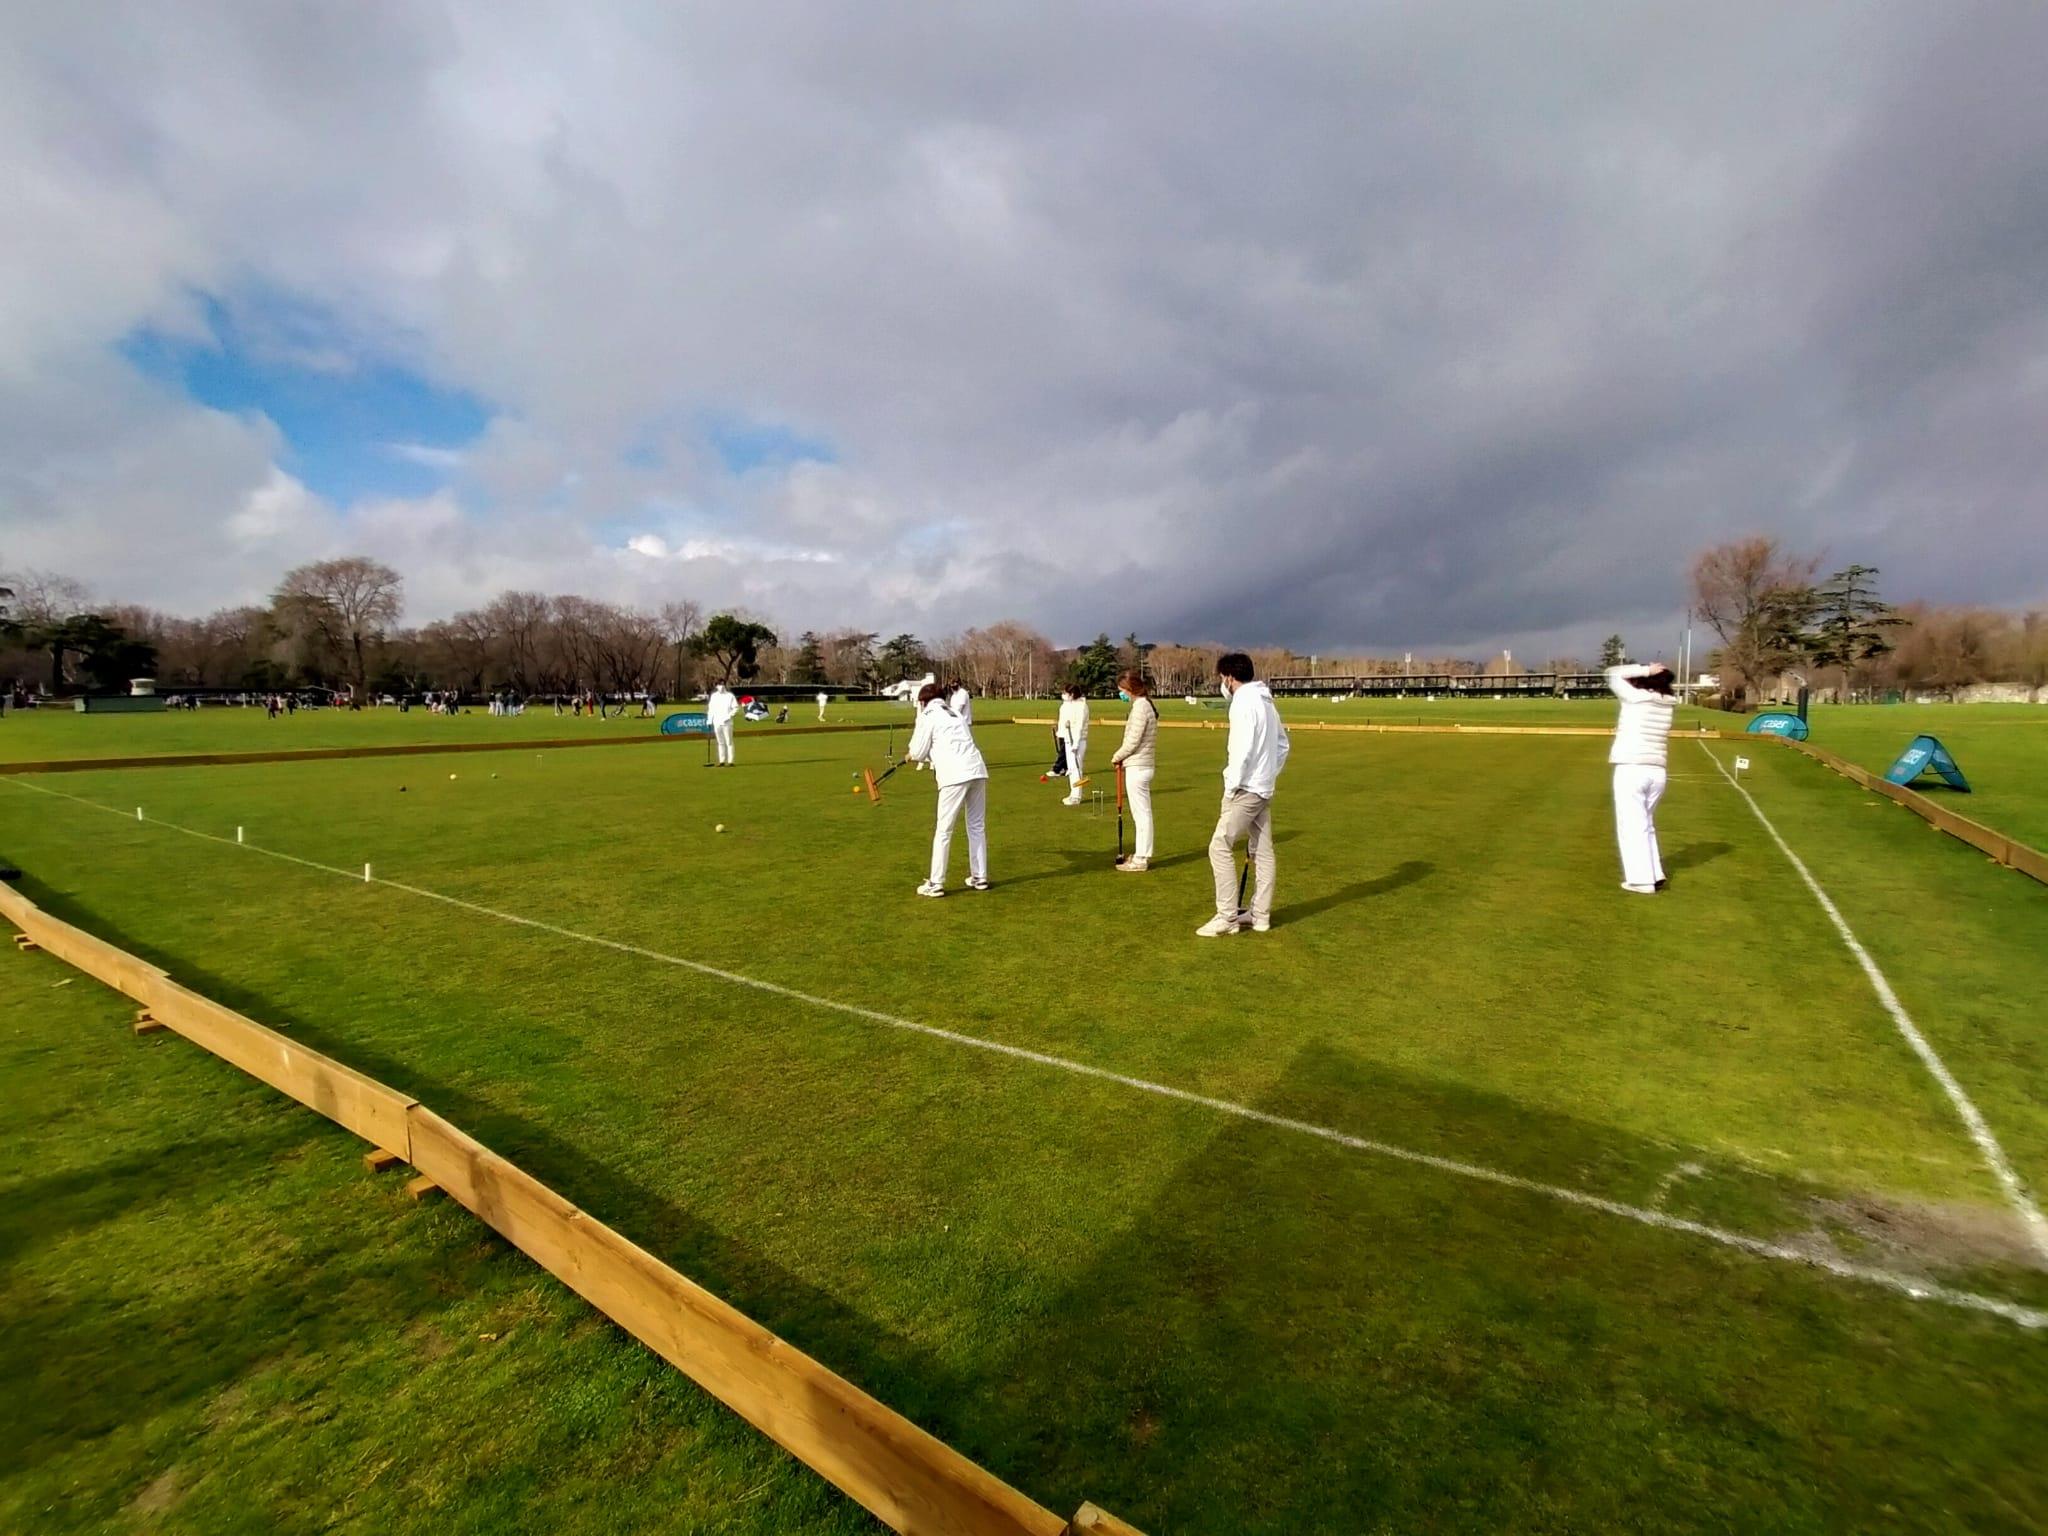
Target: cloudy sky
x=1381, y=325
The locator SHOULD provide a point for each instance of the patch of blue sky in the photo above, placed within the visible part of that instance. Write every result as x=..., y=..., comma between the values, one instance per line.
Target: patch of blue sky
x=745, y=444
x=354, y=425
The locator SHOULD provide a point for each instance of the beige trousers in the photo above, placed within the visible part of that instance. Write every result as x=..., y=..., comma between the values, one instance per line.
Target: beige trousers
x=1246, y=818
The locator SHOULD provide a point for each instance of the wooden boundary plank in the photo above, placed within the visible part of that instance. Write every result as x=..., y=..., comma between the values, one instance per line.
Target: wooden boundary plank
x=356, y=1103
x=1390, y=728
x=1989, y=841
x=906, y=1477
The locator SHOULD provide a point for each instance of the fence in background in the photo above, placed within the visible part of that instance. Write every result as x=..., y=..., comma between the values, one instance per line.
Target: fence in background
x=909, y=1479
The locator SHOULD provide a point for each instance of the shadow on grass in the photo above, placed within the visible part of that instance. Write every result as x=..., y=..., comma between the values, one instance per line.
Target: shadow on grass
x=1295, y=1336
x=1693, y=855
x=1404, y=874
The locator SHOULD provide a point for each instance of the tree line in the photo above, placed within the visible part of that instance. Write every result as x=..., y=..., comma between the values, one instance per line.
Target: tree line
x=1774, y=614
x=336, y=624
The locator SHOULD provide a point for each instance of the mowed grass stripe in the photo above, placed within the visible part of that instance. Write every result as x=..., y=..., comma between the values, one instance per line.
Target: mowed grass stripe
x=1905, y=1285
x=1972, y=1118
x=1211, y=1324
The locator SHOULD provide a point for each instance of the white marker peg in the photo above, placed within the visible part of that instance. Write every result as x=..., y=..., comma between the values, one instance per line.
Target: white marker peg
x=1741, y=763
x=138, y=813
x=366, y=874
x=238, y=834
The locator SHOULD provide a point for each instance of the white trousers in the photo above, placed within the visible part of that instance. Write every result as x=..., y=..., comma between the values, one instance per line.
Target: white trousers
x=1077, y=759
x=722, y=734
x=1637, y=789
x=1138, y=790
x=971, y=799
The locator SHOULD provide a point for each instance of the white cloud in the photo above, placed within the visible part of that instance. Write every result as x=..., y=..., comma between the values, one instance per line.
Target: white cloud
x=1412, y=326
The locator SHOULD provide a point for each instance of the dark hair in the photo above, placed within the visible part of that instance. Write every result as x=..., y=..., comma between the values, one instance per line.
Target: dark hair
x=1071, y=690
x=957, y=686
x=1234, y=665
x=1657, y=680
x=1134, y=683
x=929, y=692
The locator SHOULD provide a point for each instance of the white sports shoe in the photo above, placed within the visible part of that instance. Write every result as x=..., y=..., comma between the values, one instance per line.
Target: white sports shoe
x=1639, y=890
x=1071, y=800
x=1217, y=928
x=976, y=883
x=1134, y=866
x=926, y=888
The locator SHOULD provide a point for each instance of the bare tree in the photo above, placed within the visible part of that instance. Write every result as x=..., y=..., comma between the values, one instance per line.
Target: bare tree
x=347, y=604
x=1758, y=599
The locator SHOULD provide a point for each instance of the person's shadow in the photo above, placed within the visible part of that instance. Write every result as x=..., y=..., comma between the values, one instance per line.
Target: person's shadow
x=1692, y=855
x=1402, y=874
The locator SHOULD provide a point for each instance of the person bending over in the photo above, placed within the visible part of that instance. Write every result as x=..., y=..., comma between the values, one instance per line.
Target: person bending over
x=945, y=741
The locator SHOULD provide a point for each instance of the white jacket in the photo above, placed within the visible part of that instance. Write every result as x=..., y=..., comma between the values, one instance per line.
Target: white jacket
x=1258, y=742
x=961, y=702
x=1642, y=733
x=721, y=706
x=943, y=739
x=1073, y=720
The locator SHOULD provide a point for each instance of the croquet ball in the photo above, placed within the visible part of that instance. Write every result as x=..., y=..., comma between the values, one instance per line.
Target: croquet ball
x=719, y=828
x=451, y=775
x=401, y=789
x=494, y=775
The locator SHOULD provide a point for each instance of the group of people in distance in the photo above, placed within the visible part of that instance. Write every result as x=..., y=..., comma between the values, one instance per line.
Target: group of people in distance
x=1255, y=754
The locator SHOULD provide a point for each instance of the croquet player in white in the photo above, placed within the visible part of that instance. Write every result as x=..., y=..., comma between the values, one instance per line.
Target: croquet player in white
x=719, y=711
x=1136, y=758
x=1251, y=769
x=1073, y=731
x=944, y=740
x=960, y=700
x=823, y=700
x=1642, y=736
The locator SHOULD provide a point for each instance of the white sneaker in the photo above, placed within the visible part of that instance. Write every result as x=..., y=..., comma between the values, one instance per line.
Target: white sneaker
x=1217, y=928
x=976, y=883
x=1639, y=890
x=926, y=888
x=1134, y=866
x=1071, y=800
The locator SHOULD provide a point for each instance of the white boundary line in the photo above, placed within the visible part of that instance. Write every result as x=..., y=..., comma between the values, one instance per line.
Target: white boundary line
x=2016, y=1195
x=1891, y=1280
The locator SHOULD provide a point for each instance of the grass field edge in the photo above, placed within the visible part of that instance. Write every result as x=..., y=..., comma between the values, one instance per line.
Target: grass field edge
x=902, y=1474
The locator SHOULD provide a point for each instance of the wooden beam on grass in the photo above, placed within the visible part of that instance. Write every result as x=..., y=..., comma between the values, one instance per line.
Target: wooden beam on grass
x=1090, y=1521
x=377, y=1159
x=908, y=1479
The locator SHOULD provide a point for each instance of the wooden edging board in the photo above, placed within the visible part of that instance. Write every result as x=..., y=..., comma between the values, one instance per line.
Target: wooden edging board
x=2008, y=851
x=909, y=1479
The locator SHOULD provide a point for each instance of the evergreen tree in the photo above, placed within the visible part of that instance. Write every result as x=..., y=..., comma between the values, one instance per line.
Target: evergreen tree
x=1095, y=669
x=1849, y=621
x=1612, y=652
x=902, y=656
x=809, y=666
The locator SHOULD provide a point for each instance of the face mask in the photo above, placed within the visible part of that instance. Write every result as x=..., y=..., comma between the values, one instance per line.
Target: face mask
x=1123, y=695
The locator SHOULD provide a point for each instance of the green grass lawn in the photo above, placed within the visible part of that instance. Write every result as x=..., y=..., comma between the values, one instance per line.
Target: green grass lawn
x=213, y=1319
x=1199, y=1320
x=55, y=734
x=2002, y=748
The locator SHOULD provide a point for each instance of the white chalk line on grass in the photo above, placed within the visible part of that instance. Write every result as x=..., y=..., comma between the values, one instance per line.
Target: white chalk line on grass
x=2016, y=1195
x=1891, y=1280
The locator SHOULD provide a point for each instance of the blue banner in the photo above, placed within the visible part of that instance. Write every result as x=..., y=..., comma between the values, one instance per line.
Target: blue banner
x=1778, y=722
x=686, y=725
x=1927, y=752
